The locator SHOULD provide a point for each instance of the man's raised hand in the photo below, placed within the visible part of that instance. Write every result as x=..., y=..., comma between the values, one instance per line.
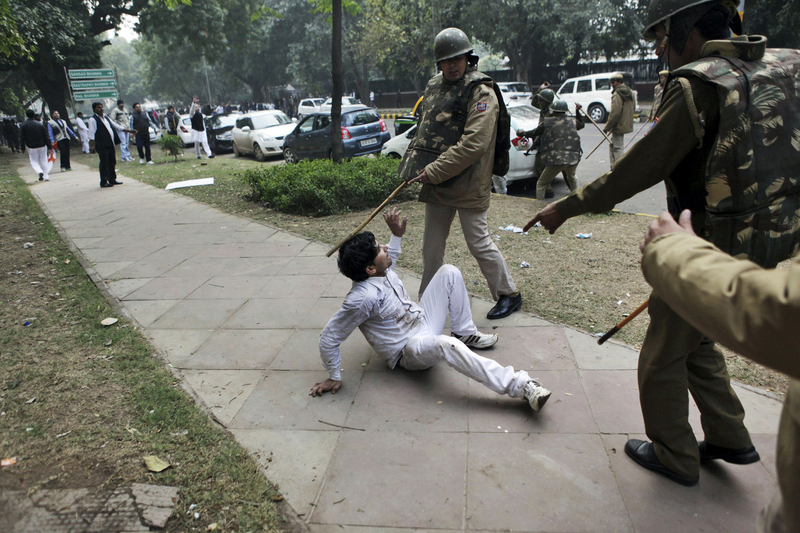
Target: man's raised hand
x=324, y=386
x=395, y=223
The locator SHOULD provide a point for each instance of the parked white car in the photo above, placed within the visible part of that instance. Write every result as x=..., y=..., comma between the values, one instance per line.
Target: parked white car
x=185, y=131
x=520, y=160
x=515, y=93
x=260, y=133
x=348, y=104
x=308, y=106
x=593, y=93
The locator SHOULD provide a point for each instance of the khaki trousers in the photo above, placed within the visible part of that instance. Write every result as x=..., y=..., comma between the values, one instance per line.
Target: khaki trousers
x=438, y=219
x=675, y=356
x=615, y=148
x=549, y=174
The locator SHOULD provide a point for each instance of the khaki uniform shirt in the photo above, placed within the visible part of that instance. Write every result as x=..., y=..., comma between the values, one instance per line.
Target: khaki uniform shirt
x=468, y=163
x=620, y=119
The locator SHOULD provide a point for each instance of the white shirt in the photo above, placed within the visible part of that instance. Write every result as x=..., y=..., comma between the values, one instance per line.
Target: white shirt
x=108, y=124
x=81, y=125
x=382, y=309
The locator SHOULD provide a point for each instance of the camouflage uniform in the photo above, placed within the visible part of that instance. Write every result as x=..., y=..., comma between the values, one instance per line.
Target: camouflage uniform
x=694, y=124
x=544, y=111
x=459, y=166
x=559, y=150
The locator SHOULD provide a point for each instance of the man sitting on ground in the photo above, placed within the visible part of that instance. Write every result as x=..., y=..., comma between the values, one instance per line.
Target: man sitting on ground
x=410, y=334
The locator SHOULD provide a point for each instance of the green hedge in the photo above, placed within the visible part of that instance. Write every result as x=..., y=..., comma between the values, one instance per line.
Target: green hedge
x=321, y=187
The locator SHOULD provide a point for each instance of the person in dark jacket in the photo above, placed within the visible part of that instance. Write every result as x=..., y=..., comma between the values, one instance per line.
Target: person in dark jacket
x=104, y=133
x=34, y=137
x=172, y=121
x=141, y=123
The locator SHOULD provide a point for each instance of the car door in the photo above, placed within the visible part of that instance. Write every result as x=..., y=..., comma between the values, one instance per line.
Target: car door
x=302, y=135
x=238, y=136
x=319, y=139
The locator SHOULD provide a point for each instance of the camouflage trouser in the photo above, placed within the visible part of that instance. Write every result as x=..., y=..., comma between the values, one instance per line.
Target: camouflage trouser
x=676, y=356
x=549, y=174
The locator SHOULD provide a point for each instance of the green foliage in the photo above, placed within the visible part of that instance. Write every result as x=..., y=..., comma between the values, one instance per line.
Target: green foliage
x=171, y=145
x=322, y=187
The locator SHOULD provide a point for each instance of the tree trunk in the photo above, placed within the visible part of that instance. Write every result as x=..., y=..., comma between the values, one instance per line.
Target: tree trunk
x=337, y=74
x=53, y=87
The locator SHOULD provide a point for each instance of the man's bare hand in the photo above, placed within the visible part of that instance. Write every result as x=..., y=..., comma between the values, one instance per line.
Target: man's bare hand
x=548, y=217
x=395, y=223
x=666, y=224
x=324, y=386
x=422, y=177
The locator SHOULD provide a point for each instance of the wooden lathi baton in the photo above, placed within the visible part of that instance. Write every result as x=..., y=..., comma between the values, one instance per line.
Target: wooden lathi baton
x=637, y=134
x=369, y=218
x=595, y=148
x=627, y=319
x=596, y=126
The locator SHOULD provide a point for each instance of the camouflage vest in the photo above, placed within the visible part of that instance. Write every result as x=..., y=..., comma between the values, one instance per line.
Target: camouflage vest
x=752, y=175
x=560, y=143
x=442, y=123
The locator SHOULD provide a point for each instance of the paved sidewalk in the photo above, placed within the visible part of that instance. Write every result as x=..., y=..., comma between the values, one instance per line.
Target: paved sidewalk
x=237, y=307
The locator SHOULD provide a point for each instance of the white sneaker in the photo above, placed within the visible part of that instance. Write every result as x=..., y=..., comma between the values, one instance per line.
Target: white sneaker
x=141, y=161
x=479, y=340
x=46, y=178
x=150, y=163
x=536, y=395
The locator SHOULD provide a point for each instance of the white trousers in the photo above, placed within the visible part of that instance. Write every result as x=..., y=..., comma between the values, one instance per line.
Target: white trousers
x=39, y=162
x=200, y=137
x=446, y=293
x=84, y=135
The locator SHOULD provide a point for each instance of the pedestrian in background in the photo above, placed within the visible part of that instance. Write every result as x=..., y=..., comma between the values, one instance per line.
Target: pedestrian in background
x=123, y=119
x=620, y=119
x=83, y=132
x=172, y=121
x=34, y=137
x=141, y=123
x=61, y=134
x=11, y=134
x=199, y=136
x=658, y=91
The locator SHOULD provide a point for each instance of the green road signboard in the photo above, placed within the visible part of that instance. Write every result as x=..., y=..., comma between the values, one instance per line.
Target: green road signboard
x=94, y=84
x=96, y=95
x=90, y=73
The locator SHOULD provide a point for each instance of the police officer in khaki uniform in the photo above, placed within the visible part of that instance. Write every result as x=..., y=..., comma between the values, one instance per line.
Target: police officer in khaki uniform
x=740, y=180
x=658, y=92
x=559, y=146
x=452, y=155
x=729, y=300
x=620, y=119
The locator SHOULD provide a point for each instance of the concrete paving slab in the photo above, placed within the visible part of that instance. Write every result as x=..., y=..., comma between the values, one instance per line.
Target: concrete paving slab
x=145, y=312
x=313, y=265
x=567, y=410
x=223, y=391
x=322, y=311
x=196, y=266
x=229, y=287
x=198, y=314
x=533, y=483
x=281, y=401
x=168, y=288
x=614, y=398
x=108, y=270
x=727, y=499
x=381, y=479
x=250, y=266
x=178, y=344
x=123, y=287
x=762, y=413
x=591, y=356
x=532, y=348
x=295, y=286
x=295, y=460
x=237, y=349
x=275, y=313
x=433, y=400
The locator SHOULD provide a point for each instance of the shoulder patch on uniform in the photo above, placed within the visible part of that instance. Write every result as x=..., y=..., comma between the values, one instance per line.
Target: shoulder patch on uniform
x=482, y=106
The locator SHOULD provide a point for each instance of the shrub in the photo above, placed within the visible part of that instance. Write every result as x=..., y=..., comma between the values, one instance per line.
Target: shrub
x=322, y=187
x=171, y=145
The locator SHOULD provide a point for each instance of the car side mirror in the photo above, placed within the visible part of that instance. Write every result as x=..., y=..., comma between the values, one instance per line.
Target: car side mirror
x=245, y=129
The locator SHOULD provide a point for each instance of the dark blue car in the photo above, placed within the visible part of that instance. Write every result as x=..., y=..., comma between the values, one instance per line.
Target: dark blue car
x=363, y=132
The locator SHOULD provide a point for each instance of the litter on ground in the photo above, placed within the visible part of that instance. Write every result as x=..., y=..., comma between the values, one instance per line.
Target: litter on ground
x=189, y=183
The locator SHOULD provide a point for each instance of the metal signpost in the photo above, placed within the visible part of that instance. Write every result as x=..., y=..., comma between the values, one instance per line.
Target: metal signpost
x=91, y=84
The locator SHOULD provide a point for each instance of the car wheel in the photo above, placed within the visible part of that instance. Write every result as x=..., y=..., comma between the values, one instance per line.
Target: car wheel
x=597, y=112
x=183, y=144
x=258, y=153
x=394, y=155
x=289, y=156
x=236, y=152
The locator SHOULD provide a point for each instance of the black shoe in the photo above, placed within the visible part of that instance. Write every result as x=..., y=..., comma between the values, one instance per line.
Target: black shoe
x=41, y=176
x=645, y=455
x=550, y=194
x=505, y=306
x=739, y=456
x=104, y=185
x=211, y=156
x=115, y=182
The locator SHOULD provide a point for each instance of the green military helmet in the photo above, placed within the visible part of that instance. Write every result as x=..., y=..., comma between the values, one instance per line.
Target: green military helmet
x=547, y=95
x=450, y=43
x=559, y=106
x=661, y=10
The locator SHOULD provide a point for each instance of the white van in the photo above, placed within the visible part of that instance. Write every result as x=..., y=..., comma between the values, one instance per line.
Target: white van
x=593, y=93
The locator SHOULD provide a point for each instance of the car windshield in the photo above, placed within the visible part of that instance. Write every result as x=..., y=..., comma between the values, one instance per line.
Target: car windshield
x=220, y=121
x=519, y=87
x=266, y=121
x=524, y=116
x=359, y=118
